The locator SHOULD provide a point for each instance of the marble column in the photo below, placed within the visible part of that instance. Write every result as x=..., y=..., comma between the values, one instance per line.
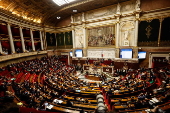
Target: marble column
x=85, y=42
x=136, y=33
x=42, y=46
x=1, y=48
x=22, y=39
x=84, y=39
x=44, y=38
x=68, y=59
x=11, y=39
x=117, y=34
x=73, y=36
x=32, y=40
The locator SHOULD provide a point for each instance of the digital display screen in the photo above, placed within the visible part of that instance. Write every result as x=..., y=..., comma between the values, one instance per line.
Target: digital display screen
x=141, y=54
x=79, y=53
x=126, y=53
x=71, y=53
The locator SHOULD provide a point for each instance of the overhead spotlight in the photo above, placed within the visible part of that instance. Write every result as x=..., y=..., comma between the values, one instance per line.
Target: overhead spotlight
x=58, y=17
x=75, y=10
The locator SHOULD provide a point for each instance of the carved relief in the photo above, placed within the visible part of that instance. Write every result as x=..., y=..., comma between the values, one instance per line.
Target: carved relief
x=79, y=37
x=101, y=53
x=109, y=54
x=127, y=33
x=101, y=12
x=94, y=53
x=137, y=6
x=128, y=6
x=78, y=18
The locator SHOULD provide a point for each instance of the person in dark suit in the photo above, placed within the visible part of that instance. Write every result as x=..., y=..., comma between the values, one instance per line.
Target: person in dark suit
x=82, y=111
x=69, y=103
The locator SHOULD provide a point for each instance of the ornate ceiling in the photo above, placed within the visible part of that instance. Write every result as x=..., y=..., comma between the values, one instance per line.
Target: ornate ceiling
x=46, y=11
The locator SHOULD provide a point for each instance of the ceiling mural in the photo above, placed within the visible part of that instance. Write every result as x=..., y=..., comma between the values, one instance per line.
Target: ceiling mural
x=46, y=11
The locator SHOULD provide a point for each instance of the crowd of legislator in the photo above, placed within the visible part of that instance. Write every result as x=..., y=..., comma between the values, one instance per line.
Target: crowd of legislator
x=63, y=79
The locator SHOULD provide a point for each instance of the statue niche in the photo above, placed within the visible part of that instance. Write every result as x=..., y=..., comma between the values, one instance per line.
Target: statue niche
x=126, y=33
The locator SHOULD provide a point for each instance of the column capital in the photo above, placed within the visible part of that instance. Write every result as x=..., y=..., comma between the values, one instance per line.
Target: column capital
x=161, y=19
x=8, y=23
x=117, y=22
x=21, y=27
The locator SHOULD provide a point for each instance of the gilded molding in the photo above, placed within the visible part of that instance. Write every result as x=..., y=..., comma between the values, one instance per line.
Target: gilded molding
x=100, y=25
x=152, y=18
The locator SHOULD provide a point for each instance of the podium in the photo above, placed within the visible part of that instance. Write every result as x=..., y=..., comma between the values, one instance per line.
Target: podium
x=92, y=69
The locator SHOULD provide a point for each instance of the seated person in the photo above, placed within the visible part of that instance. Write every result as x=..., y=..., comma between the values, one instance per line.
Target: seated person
x=69, y=103
x=141, y=96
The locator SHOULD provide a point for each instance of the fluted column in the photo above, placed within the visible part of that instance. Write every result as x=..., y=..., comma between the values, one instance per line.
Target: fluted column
x=42, y=46
x=117, y=26
x=117, y=34
x=85, y=41
x=73, y=35
x=32, y=40
x=69, y=59
x=11, y=38
x=45, y=41
x=1, y=48
x=22, y=39
x=136, y=33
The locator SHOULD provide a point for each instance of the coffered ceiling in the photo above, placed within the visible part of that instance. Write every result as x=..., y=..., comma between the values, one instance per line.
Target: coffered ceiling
x=46, y=11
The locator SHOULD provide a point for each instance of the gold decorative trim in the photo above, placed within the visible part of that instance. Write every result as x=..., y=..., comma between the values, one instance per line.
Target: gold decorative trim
x=152, y=18
x=104, y=25
x=148, y=31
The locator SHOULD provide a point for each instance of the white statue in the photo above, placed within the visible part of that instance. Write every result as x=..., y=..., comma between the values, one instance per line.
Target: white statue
x=71, y=18
x=118, y=8
x=83, y=18
x=126, y=35
x=137, y=5
x=80, y=41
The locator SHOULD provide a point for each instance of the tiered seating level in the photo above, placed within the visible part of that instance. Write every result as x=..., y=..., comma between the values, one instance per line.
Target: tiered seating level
x=89, y=95
x=24, y=77
x=123, y=96
x=126, y=95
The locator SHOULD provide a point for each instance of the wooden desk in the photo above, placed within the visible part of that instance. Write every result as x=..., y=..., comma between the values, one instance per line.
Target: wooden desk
x=92, y=100
x=85, y=106
x=89, y=92
x=164, y=108
x=133, y=111
x=92, y=77
x=65, y=110
x=121, y=107
x=114, y=101
x=124, y=100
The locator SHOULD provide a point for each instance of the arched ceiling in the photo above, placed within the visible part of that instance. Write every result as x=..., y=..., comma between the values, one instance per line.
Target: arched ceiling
x=46, y=11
